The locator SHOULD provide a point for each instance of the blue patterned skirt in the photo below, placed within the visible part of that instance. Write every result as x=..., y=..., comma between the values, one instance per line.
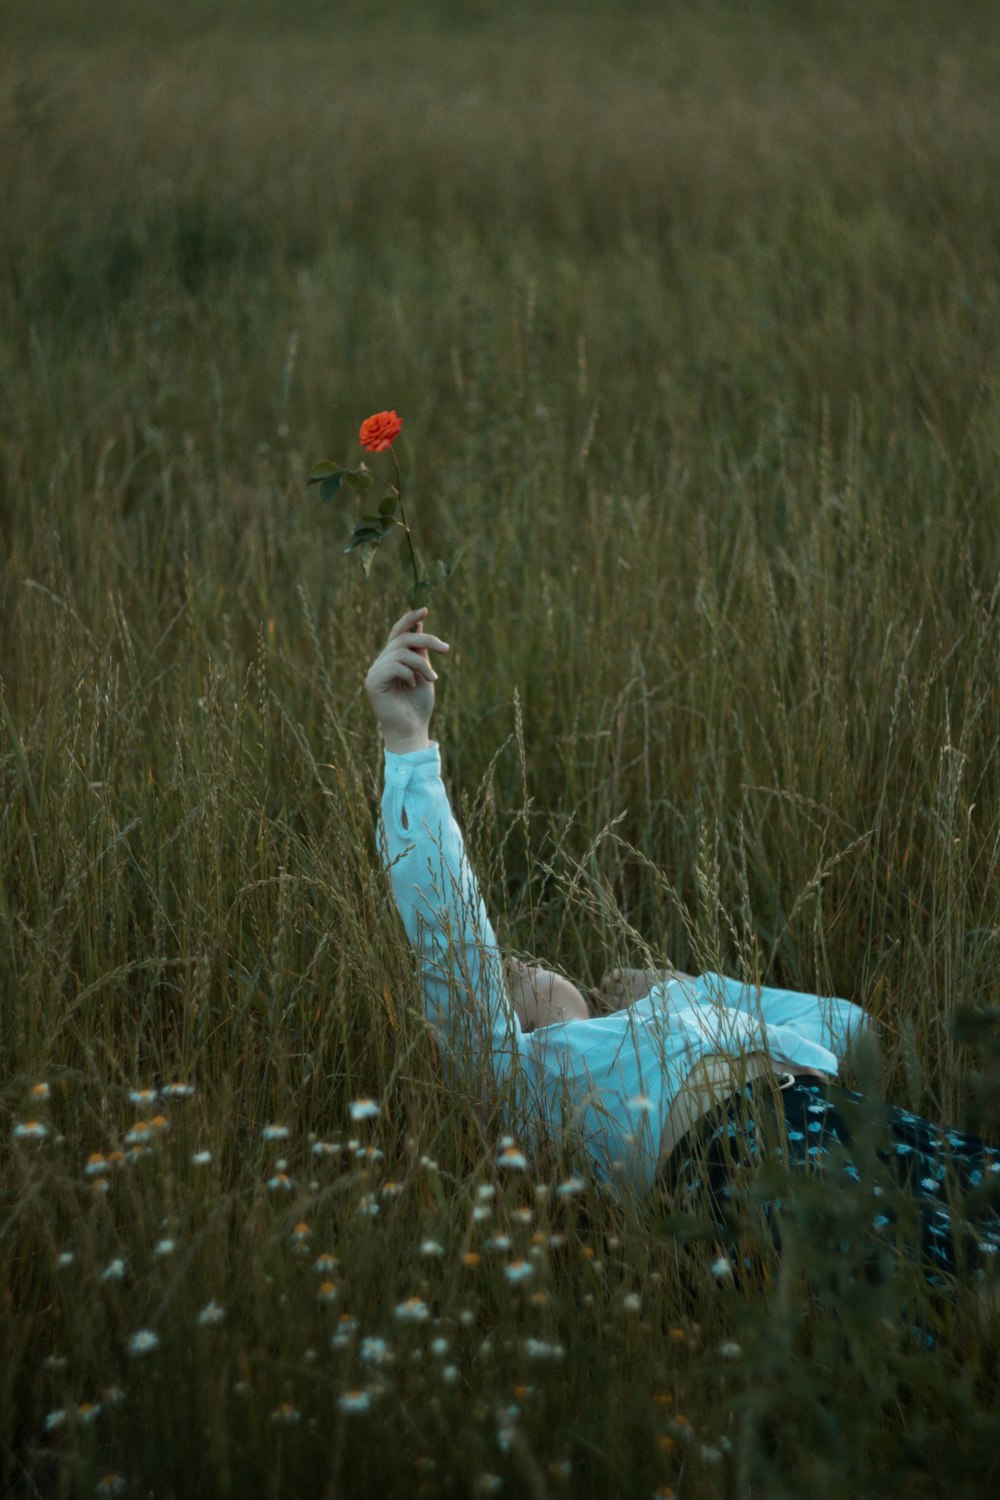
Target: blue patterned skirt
x=926, y=1188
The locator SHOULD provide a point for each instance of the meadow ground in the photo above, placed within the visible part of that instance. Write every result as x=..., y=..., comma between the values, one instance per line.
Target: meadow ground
x=691, y=313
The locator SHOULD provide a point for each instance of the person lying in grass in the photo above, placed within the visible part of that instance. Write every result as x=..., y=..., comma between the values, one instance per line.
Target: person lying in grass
x=674, y=1078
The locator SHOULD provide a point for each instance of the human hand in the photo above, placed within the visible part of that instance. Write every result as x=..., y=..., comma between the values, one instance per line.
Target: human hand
x=400, y=683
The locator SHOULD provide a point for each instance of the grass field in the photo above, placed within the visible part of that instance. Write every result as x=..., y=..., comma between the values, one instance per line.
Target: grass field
x=693, y=317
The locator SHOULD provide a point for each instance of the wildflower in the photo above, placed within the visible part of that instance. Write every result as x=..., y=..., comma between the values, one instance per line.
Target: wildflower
x=113, y=1396
x=512, y=1159
x=108, y=1485
x=571, y=1186
x=96, y=1165
x=556, y=1241
x=143, y=1342
x=275, y=1133
x=375, y=1351
x=413, y=1310
x=210, y=1314
x=439, y=1347
x=139, y=1133
x=370, y=1154
x=142, y=1096
x=485, y=1191
x=55, y=1419
x=177, y=1091
x=539, y=1238
x=379, y=432
x=55, y=1362
x=159, y=1123
x=280, y=1183
x=164, y=1247
x=366, y=1206
x=301, y=1234
x=488, y=1484
x=65, y=1258
x=326, y=1292
x=40, y=1091
x=471, y=1260
x=499, y=1242
x=539, y=1298
x=391, y=1189
x=722, y=1268
x=113, y=1271
x=88, y=1411
x=325, y=1262
x=677, y=1335
x=363, y=1109
x=517, y=1271
x=730, y=1350
x=481, y=1213
x=355, y=1403
x=345, y=1329
x=466, y=1317
x=286, y=1414
x=542, y=1349
x=431, y=1248
x=449, y=1374
x=640, y=1104
x=632, y=1303
x=523, y=1215
x=31, y=1130
x=327, y=1148
x=201, y=1158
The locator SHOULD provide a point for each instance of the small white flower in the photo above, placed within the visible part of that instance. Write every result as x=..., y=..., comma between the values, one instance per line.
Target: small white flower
x=632, y=1303
x=177, y=1091
x=729, y=1350
x=413, y=1310
x=710, y=1455
x=40, y=1091
x=517, y=1271
x=375, y=1351
x=55, y=1419
x=280, y=1183
x=108, y=1485
x=327, y=1148
x=164, y=1247
x=722, y=1268
x=143, y=1342
x=285, y=1414
x=484, y=1191
x=481, y=1213
x=542, y=1349
x=449, y=1374
x=210, y=1314
x=572, y=1185
x=31, y=1130
x=499, y=1242
x=113, y=1271
x=275, y=1133
x=367, y=1206
x=512, y=1159
x=142, y=1096
x=639, y=1104
x=201, y=1158
x=65, y=1258
x=431, y=1248
x=466, y=1317
x=439, y=1347
x=363, y=1109
x=88, y=1412
x=354, y=1403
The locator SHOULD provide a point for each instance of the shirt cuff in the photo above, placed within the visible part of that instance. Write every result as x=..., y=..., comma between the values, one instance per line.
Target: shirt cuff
x=414, y=767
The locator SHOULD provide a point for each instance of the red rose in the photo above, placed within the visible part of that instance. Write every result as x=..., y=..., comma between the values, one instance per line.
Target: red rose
x=378, y=432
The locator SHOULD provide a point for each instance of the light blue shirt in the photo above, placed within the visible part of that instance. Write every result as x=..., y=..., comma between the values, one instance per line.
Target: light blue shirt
x=605, y=1084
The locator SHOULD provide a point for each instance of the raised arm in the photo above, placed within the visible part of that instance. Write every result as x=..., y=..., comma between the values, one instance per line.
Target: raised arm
x=432, y=881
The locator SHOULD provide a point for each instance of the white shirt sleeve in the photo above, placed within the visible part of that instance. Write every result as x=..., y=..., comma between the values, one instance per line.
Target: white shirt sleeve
x=461, y=970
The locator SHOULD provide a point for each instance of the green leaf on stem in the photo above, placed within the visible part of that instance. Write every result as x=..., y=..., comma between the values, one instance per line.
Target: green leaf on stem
x=368, y=550
x=387, y=507
x=358, y=479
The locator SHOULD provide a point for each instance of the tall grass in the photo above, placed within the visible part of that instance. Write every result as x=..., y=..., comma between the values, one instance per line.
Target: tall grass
x=692, y=318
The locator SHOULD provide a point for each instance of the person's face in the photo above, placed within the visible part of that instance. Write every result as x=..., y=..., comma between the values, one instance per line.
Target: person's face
x=542, y=997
